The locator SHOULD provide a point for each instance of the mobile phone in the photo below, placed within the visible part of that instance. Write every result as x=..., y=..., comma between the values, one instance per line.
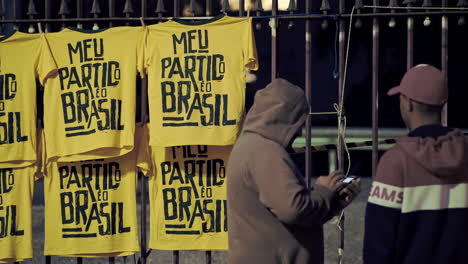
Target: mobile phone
x=346, y=181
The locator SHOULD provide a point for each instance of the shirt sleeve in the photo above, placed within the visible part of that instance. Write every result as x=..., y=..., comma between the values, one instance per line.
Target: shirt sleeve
x=249, y=48
x=141, y=67
x=46, y=66
x=383, y=211
x=41, y=155
x=283, y=191
x=149, y=49
x=143, y=155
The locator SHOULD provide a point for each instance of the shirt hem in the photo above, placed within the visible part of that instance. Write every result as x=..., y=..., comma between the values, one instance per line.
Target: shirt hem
x=117, y=253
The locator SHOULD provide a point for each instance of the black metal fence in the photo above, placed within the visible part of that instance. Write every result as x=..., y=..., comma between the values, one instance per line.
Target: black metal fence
x=26, y=15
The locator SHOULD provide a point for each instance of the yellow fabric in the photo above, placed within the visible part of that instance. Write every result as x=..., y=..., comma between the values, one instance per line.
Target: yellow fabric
x=93, y=214
x=188, y=198
x=16, y=193
x=89, y=107
x=196, y=77
x=21, y=61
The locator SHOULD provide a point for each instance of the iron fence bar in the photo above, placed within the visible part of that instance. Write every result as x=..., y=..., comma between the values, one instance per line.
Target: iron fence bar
x=15, y=27
x=111, y=11
x=95, y=11
x=444, y=59
x=111, y=24
x=143, y=115
x=461, y=20
x=2, y=14
x=31, y=13
x=46, y=15
x=176, y=12
x=291, y=9
x=241, y=8
x=274, y=40
x=325, y=9
x=209, y=8
x=79, y=11
x=208, y=257
x=143, y=8
x=176, y=8
x=191, y=10
x=160, y=9
x=143, y=184
x=225, y=8
x=175, y=257
x=128, y=10
x=358, y=5
x=258, y=11
x=392, y=3
x=410, y=39
x=209, y=12
x=342, y=58
x=375, y=90
x=308, y=92
x=341, y=81
x=64, y=11
x=144, y=82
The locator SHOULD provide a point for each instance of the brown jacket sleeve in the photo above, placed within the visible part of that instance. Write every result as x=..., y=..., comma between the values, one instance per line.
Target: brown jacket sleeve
x=282, y=189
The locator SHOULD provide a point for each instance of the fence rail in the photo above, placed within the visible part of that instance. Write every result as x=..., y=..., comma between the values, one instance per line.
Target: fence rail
x=105, y=12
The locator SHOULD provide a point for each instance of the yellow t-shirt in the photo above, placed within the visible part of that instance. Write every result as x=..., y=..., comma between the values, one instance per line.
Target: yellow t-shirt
x=196, y=76
x=89, y=107
x=188, y=198
x=21, y=61
x=90, y=206
x=16, y=194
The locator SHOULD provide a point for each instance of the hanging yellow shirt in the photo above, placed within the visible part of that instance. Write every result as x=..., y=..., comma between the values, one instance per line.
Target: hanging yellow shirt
x=21, y=61
x=90, y=206
x=188, y=198
x=16, y=194
x=89, y=107
x=196, y=75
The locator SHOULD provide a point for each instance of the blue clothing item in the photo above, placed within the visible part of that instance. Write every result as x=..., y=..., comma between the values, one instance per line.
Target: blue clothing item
x=433, y=131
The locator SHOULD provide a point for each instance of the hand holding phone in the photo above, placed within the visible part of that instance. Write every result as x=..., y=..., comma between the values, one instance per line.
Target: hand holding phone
x=332, y=181
x=346, y=181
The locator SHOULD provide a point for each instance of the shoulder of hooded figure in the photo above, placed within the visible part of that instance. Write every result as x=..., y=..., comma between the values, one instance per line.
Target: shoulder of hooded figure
x=390, y=167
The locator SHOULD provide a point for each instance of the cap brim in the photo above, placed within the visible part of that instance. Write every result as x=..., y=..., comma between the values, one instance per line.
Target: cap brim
x=395, y=90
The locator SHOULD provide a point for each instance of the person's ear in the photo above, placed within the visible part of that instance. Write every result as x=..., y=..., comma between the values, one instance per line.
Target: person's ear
x=410, y=108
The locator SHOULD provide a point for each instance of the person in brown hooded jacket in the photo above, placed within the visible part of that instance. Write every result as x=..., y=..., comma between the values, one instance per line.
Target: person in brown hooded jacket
x=272, y=216
x=418, y=205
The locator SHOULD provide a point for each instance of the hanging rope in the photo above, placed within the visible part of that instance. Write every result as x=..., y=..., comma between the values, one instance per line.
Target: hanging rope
x=342, y=135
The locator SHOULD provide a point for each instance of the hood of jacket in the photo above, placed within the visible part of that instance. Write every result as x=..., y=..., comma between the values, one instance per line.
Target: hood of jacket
x=444, y=156
x=278, y=112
